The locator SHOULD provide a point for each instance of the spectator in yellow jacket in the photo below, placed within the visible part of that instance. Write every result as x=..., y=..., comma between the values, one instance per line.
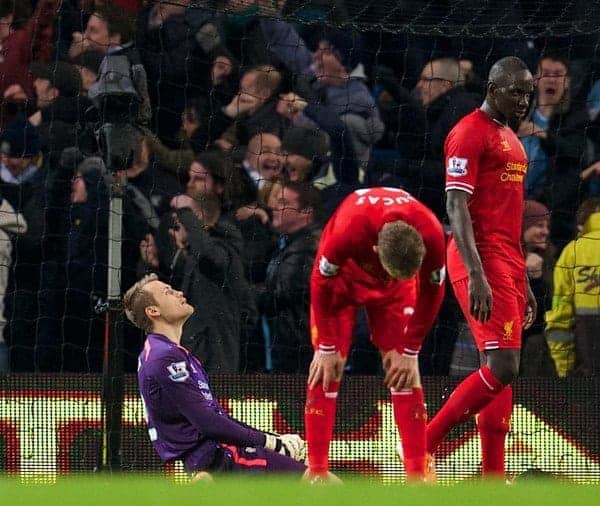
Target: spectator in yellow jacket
x=573, y=323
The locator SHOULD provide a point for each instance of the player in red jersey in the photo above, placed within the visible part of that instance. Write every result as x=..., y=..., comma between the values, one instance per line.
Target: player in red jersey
x=485, y=171
x=384, y=250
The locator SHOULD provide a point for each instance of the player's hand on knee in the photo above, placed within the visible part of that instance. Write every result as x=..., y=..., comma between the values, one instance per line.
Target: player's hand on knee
x=325, y=368
x=401, y=371
x=291, y=445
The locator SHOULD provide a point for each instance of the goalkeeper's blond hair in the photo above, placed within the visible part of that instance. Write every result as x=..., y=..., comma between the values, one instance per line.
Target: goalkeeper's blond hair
x=135, y=302
x=401, y=249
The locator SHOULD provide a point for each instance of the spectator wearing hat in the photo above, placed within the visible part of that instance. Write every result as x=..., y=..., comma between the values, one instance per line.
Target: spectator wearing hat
x=19, y=146
x=303, y=150
x=23, y=184
x=344, y=163
x=539, y=259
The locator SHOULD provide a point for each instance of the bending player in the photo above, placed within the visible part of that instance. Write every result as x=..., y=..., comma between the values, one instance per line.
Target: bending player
x=485, y=169
x=384, y=250
x=185, y=422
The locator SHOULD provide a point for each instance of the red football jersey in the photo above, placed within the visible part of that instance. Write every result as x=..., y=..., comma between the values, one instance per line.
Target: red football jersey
x=353, y=230
x=486, y=159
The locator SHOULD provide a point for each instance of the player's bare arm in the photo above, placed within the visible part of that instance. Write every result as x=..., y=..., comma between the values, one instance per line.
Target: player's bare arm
x=325, y=368
x=401, y=371
x=531, y=306
x=480, y=293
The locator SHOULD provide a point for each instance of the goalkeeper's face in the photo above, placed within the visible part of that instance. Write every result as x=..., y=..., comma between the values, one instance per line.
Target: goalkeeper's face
x=171, y=304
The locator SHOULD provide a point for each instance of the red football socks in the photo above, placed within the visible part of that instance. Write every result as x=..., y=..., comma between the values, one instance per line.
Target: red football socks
x=411, y=419
x=493, y=423
x=469, y=397
x=319, y=418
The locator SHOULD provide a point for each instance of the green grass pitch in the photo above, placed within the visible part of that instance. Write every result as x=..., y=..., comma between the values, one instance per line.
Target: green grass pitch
x=157, y=491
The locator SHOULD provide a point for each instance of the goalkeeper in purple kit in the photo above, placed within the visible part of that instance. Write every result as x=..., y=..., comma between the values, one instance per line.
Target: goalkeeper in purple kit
x=185, y=422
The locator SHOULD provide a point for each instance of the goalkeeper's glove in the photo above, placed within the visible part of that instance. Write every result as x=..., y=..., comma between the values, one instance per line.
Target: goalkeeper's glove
x=291, y=445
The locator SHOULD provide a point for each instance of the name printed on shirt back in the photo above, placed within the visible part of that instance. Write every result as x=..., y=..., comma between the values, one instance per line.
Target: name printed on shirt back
x=364, y=198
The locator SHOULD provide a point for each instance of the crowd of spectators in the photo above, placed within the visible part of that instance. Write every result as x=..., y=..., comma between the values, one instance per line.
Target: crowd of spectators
x=248, y=122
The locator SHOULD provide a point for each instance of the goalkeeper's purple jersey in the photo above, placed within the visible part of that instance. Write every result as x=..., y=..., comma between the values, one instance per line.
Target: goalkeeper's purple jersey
x=184, y=419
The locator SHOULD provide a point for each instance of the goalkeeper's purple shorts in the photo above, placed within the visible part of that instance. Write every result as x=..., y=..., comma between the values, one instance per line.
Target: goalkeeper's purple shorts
x=504, y=328
x=254, y=460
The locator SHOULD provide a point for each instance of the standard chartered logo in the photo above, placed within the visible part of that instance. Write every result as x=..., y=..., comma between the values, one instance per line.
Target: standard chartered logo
x=515, y=172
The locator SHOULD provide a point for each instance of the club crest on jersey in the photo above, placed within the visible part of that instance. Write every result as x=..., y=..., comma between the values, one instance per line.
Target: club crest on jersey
x=178, y=372
x=327, y=269
x=457, y=167
x=508, y=330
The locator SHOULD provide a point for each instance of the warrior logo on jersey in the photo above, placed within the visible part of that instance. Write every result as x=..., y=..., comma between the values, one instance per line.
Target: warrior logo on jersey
x=178, y=372
x=457, y=167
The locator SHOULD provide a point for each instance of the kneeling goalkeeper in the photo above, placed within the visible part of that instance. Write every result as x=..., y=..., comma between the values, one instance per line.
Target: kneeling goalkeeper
x=185, y=422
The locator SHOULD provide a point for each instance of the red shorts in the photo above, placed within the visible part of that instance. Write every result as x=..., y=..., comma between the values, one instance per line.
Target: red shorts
x=509, y=304
x=389, y=307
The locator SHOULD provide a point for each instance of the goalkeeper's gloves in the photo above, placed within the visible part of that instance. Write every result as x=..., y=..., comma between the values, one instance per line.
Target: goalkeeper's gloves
x=291, y=445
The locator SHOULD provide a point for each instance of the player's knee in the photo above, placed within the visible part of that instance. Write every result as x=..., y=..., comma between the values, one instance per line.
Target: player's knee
x=504, y=364
x=506, y=372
